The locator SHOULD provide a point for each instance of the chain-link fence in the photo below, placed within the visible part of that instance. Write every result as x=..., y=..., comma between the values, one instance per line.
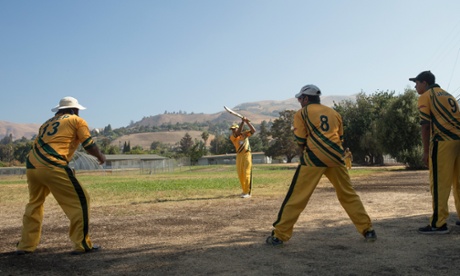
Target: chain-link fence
x=137, y=166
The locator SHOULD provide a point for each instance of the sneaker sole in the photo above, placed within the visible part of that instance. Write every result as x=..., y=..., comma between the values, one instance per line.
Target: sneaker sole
x=92, y=250
x=434, y=232
x=22, y=252
x=271, y=243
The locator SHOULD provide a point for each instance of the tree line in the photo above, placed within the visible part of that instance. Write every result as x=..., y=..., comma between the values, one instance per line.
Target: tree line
x=375, y=125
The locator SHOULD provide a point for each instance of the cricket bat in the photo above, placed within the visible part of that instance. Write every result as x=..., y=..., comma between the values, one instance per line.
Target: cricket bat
x=233, y=112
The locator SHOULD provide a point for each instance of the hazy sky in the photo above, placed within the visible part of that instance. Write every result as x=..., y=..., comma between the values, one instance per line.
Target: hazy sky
x=125, y=60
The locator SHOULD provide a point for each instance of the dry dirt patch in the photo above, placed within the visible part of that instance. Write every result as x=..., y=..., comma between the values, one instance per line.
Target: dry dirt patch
x=226, y=236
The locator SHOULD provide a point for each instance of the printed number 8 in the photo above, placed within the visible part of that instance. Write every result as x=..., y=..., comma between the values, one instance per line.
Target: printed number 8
x=453, y=104
x=324, y=125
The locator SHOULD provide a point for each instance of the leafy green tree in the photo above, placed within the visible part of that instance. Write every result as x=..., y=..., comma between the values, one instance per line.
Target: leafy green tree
x=221, y=144
x=161, y=149
x=104, y=144
x=186, y=144
x=8, y=139
x=360, y=124
x=126, y=147
x=399, y=130
x=6, y=152
x=108, y=130
x=283, y=143
x=264, y=135
x=197, y=151
x=136, y=150
x=205, y=137
x=256, y=143
x=111, y=149
x=21, y=150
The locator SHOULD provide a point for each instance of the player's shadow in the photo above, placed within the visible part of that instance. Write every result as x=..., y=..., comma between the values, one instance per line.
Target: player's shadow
x=335, y=248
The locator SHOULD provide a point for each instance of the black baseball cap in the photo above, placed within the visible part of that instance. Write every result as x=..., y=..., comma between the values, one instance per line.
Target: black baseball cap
x=424, y=76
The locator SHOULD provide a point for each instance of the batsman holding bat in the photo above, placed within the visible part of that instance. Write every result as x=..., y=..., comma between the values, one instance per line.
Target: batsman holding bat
x=240, y=140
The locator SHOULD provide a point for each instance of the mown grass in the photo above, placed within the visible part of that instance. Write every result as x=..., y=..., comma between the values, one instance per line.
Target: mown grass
x=208, y=182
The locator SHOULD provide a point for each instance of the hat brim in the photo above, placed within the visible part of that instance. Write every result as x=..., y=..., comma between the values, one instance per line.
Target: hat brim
x=77, y=106
x=413, y=79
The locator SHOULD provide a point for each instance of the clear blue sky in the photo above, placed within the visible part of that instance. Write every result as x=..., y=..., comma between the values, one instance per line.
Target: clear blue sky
x=125, y=60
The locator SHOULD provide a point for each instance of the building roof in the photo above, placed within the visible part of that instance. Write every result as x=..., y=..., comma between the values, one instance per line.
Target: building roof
x=114, y=157
x=229, y=155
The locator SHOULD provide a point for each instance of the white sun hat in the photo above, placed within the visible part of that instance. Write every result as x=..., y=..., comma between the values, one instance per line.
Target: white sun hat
x=68, y=102
x=309, y=89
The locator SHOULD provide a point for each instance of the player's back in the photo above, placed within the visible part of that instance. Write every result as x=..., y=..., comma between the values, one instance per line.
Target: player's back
x=441, y=109
x=322, y=127
x=57, y=140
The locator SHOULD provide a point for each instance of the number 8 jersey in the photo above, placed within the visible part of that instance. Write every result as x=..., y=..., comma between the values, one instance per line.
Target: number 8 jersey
x=440, y=109
x=57, y=140
x=319, y=130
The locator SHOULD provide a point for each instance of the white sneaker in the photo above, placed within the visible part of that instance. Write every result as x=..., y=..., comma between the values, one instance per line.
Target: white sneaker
x=245, y=195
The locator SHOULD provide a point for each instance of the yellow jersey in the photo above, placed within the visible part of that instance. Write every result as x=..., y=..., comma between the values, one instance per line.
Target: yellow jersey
x=319, y=130
x=241, y=142
x=57, y=140
x=440, y=109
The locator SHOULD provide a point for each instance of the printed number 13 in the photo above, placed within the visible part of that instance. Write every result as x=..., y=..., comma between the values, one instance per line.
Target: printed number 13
x=53, y=131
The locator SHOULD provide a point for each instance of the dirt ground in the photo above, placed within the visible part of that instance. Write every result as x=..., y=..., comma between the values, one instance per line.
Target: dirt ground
x=226, y=236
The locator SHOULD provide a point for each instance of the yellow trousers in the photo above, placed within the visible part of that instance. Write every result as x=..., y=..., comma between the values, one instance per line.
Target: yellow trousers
x=244, y=170
x=348, y=163
x=304, y=183
x=444, y=174
x=71, y=196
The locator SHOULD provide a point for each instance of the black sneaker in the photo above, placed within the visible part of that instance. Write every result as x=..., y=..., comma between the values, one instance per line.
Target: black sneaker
x=22, y=252
x=274, y=241
x=370, y=236
x=434, y=230
x=94, y=249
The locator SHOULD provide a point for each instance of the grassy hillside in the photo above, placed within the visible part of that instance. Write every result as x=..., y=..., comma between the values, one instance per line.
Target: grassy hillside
x=167, y=137
x=256, y=111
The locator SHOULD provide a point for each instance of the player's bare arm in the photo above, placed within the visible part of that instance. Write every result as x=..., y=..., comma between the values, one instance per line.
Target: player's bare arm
x=426, y=132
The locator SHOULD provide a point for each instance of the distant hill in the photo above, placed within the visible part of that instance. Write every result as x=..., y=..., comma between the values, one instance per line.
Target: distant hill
x=170, y=138
x=18, y=130
x=256, y=111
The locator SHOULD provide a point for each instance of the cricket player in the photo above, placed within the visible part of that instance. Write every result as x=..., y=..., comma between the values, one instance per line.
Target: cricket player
x=348, y=157
x=318, y=130
x=48, y=172
x=440, y=122
x=240, y=140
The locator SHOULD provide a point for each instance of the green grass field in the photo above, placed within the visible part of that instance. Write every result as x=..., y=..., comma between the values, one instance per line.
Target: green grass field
x=217, y=181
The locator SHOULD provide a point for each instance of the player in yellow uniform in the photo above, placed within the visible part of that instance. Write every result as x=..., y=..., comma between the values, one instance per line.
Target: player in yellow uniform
x=48, y=172
x=440, y=122
x=348, y=157
x=240, y=140
x=318, y=130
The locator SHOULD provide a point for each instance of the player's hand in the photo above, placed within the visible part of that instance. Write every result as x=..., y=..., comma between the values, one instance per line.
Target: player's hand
x=101, y=158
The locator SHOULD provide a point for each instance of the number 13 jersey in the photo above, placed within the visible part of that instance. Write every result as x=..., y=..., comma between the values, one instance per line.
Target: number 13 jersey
x=57, y=140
